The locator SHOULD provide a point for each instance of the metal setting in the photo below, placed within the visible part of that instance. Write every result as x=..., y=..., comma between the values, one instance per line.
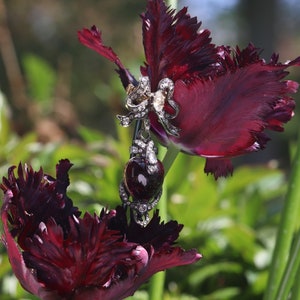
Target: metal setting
x=139, y=208
x=143, y=147
x=140, y=101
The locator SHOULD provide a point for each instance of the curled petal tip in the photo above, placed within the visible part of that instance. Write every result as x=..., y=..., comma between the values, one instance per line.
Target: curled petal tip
x=219, y=167
x=198, y=256
x=292, y=86
x=141, y=256
x=92, y=39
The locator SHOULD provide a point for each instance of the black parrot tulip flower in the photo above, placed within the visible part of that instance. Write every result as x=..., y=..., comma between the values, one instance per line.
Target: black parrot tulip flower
x=57, y=254
x=226, y=97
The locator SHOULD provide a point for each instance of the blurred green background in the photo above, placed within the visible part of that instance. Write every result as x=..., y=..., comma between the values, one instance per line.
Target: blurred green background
x=59, y=100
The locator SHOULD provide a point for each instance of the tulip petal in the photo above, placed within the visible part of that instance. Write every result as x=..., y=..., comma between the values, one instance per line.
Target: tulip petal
x=36, y=197
x=158, y=238
x=159, y=262
x=226, y=115
x=92, y=39
x=24, y=275
x=220, y=167
x=174, y=47
x=77, y=262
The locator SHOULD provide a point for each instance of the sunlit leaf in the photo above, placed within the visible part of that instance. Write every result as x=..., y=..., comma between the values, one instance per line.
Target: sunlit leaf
x=41, y=78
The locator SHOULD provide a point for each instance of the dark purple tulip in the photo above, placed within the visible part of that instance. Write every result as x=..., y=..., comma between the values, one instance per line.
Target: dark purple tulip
x=56, y=254
x=227, y=97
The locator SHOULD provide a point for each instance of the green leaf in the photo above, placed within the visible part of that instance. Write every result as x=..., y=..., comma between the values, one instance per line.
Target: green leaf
x=204, y=272
x=41, y=78
x=285, y=234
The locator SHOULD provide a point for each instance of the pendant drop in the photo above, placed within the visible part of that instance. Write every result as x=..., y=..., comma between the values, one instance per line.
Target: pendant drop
x=143, y=177
x=139, y=182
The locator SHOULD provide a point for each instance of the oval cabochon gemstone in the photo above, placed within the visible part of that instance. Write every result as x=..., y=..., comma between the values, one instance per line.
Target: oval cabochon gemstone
x=140, y=184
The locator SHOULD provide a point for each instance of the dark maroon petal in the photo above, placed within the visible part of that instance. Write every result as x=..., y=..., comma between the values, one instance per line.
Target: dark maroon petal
x=169, y=258
x=174, y=47
x=92, y=39
x=34, y=197
x=62, y=177
x=24, y=275
x=158, y=238
x=121, y=288
x=283, y=111
x=240, y=59
x=226, y=115
x=156, y=233
x=91, y=255
x=218, y=167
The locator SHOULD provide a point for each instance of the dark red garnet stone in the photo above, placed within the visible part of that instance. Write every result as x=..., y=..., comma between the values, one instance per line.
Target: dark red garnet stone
x=140, y=184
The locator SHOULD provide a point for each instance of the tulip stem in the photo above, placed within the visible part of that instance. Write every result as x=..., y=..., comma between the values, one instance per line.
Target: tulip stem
x=169, y=158
x=286, y=230
x=290, y=272
x=296, y=286
x=157, y=282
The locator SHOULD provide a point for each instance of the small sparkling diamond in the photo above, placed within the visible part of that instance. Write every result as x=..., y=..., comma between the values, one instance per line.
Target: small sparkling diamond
x=158, y=101
x=143, y=208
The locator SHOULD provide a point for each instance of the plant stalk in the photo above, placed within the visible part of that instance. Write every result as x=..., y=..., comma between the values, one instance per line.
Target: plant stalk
x=290, y=272
x=156, y=287
x=286, y=229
